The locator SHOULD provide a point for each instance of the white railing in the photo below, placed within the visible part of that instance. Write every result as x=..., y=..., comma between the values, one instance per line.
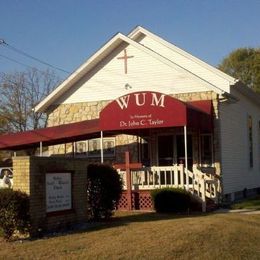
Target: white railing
x=154, y=177
x=200, y=184
x=209, y=182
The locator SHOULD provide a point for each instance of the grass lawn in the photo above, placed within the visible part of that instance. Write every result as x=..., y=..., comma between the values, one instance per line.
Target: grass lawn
x=248, y=204
x=150, y=236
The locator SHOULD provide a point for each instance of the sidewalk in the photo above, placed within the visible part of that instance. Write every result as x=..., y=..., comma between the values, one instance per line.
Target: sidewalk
x=242, y=211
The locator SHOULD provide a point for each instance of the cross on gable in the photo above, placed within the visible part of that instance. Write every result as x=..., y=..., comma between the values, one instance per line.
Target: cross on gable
x=125, y=57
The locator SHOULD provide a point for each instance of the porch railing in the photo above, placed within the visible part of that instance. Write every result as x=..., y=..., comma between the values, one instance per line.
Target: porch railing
x=200, y=184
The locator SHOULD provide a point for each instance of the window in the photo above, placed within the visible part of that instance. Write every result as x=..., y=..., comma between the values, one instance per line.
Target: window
x=81, y=148
x=94, y=148
x=250, y=140
x=109, y=147
x=91, y=148
x=206, y=150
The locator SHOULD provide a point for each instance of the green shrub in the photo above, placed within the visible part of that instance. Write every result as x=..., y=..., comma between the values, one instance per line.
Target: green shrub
x=171, y=200
x=14, y=212
x=104, y=188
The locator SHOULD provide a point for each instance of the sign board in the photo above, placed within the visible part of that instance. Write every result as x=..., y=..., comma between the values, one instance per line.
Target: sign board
x=58, y=192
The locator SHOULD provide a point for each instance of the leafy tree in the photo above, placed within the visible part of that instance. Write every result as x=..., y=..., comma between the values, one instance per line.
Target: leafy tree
x=19, y=94
x=244, y=64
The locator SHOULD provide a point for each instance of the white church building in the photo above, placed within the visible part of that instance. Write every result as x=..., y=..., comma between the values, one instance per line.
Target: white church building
x=183, y=121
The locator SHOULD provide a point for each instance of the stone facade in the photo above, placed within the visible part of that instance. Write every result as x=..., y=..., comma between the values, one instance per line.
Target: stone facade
x=29, y=177
x=68, y=113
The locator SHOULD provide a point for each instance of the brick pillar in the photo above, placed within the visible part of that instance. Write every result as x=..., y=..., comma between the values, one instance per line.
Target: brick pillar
x=29, y=177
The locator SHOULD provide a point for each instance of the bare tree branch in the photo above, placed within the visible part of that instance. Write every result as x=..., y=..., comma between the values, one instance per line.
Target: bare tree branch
x=20, y=92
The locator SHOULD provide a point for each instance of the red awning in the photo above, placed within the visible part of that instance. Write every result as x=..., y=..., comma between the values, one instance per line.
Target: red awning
x=51, y=135
x=141, y=110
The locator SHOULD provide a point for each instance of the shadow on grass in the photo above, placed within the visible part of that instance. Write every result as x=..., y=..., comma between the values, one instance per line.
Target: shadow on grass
x=121, y=219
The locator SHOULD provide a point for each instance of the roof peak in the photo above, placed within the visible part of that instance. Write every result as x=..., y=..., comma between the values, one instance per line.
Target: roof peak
x=114, y=42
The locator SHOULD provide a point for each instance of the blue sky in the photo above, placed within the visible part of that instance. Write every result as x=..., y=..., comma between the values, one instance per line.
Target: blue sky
x=65, y=33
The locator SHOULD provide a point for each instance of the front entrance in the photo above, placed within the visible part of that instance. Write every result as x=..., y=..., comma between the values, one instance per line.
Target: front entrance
x=180, y=149
x=165, y=150
x=171, y=150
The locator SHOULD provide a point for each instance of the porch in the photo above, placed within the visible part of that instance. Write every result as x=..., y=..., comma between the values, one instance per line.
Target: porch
x=174, y=139
x=138, y=182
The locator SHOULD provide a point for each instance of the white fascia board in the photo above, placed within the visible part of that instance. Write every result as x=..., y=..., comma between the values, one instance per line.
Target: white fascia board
x=140, y=30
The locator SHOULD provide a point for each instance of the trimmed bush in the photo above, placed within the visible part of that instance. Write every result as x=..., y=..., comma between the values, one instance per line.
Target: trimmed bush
x=169, y=200
x=14, y=212
x=104, y=188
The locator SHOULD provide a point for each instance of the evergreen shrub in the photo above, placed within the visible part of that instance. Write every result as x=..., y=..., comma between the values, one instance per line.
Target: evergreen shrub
x=171, y=200
x=104, y=187
x=14, y=212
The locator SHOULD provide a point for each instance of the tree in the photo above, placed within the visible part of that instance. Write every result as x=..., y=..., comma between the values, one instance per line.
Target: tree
x=3, y=125
x=244, y=64
x=19, y=94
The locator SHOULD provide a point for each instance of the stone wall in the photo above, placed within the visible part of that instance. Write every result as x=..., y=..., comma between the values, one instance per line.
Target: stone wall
x=68, y=113
x=29, y=177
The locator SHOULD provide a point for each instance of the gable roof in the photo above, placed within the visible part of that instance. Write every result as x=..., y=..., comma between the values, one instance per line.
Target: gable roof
x=106, y=49
x=139, y=31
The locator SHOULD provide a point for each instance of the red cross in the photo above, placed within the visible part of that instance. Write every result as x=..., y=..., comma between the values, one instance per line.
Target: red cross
x=125, y=57
x=128, y=166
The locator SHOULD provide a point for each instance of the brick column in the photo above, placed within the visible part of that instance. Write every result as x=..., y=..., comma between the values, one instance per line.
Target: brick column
x=29, y=177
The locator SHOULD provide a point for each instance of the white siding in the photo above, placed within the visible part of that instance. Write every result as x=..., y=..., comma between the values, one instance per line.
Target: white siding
x=145, y=72
x=236, y=171
x=187, y=63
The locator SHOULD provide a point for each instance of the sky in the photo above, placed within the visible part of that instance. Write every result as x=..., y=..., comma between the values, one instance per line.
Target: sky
x=65, y=33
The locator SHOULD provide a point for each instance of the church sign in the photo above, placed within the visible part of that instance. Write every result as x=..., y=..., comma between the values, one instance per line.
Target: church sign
x=143, y=110
x=58, y=192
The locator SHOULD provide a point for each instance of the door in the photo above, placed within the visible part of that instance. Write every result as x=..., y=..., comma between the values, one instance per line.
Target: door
x=165, y=150
x=181, y=150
